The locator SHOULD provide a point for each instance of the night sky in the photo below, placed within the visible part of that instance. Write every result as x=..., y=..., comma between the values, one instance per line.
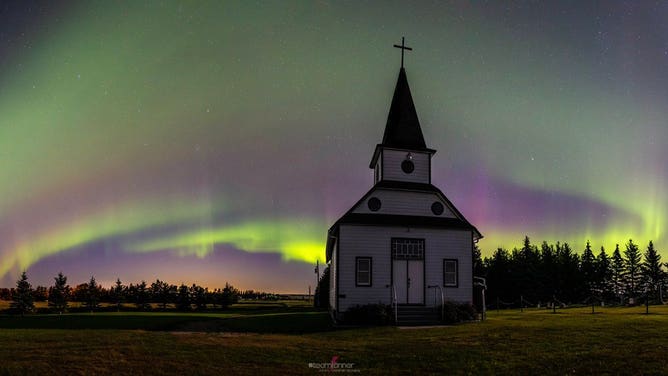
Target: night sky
x=212, y=142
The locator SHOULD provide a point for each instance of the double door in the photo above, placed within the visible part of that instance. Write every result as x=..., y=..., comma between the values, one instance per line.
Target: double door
x=408, y=279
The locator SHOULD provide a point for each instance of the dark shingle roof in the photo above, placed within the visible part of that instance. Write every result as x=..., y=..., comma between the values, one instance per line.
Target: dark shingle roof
x=403, y=127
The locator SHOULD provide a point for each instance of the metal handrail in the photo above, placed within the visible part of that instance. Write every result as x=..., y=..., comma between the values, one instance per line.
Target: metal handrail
x=394, y=302
x=482, y=282
x=442, y=299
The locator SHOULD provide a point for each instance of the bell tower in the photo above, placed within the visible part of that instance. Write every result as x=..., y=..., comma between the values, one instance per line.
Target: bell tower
x=403, y=154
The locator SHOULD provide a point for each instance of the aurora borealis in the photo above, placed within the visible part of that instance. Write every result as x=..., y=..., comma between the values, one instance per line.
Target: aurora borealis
x=217, y=141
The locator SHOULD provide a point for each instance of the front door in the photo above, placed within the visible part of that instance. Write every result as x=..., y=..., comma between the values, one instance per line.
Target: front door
x=408, y=279
x=408, y=270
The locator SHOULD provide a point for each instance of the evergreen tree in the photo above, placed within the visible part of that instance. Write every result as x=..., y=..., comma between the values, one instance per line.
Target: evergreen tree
x=118, y=294
x=498, y=275
x=59, y=293
x=321, y=296
x=632, y=268
x=618, y=273
x=569, y=274
x=548, y=271
x=477, y=264
x=22, y=299
x=230, y=295
x=603, y=273
x=198, y=296
x=142, y=296
x=183, y=298
x=92, y=300
x=652, y=274
x=588, y=268
x=162, y=292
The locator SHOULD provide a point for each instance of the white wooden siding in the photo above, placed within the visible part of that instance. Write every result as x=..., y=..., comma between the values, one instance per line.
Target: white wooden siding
x=374, y=241
x=332, y=278
x=405, y=203
x=391, y=166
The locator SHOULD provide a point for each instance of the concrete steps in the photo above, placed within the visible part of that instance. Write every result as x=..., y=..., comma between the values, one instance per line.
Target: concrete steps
x=417, y=315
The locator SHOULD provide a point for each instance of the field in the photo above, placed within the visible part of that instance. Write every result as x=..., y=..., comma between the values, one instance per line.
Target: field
x=255, y=339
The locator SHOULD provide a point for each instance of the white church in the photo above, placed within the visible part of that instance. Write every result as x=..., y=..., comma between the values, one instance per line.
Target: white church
x=403, y=243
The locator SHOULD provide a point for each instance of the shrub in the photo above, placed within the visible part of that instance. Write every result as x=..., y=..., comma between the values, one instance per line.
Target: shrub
x=458, y=312
x=369, y=314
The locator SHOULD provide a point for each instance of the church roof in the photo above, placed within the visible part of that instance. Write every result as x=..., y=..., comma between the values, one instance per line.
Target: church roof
x=349, y=217
x=402, y=130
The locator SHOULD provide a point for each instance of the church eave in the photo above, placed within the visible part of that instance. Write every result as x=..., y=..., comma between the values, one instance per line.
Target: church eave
x=405, y=186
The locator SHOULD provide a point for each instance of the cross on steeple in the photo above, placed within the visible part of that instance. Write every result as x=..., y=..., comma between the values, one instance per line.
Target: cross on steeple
x=403, y=48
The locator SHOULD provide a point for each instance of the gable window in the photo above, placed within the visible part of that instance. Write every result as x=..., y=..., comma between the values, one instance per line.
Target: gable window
x=450, y=273
x=363, y=271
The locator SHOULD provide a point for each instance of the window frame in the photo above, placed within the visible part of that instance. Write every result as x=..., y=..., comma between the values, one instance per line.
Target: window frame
x=357, y=270
x=456, y=284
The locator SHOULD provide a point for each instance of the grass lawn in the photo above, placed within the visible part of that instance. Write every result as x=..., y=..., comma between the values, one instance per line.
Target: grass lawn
x=284, y=340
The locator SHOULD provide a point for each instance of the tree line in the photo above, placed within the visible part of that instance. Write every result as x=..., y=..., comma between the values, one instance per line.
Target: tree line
x=141, y=295
x=555, y=272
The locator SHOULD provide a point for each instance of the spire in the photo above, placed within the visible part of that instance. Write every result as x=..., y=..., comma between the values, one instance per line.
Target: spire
x=403, y=127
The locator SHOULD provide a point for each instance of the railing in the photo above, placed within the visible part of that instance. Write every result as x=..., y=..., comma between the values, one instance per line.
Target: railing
x=442, y=298
x=394, y=302
x=482, y=282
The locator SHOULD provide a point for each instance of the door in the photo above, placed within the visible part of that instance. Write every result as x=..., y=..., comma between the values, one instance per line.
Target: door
x=400, y=278
x=415, y=281
x=408, y=279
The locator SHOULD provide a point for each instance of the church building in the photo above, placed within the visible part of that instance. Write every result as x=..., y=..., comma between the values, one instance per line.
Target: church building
x=403, y=243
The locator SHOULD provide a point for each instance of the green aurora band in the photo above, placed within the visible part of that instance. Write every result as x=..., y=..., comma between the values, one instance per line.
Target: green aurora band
x=179, y=127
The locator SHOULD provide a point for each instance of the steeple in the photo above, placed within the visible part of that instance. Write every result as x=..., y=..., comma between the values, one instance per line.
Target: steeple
x=403, y=127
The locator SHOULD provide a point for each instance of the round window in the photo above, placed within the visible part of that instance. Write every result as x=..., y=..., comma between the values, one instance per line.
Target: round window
x=437, y=208
x=407, y=166
x=373, y=204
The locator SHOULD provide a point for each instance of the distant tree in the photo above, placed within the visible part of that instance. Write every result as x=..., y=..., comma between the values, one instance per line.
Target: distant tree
x=321, y=298
x=183, y=298
x=142, y=296
x=22, y=300
x=548, y=271
x=478, y=267
x=588, y=268
x=198, y=295
x=603, y=273
x=92, y=301
x=118, y=294
x=570, y=279
x=80, y=293
x=59, y=293
x=498, y=275
x=632, y=268
x=652, y=274
x=162, y=292
x=229, y=296
x=5, y=294
x=618, y=273
x=40, y=294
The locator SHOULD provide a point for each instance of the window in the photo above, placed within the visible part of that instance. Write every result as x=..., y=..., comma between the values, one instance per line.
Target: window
x=450, y=273
x=407, y=249
x=363, y=271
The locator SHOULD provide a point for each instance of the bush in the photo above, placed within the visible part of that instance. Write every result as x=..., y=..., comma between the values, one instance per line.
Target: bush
x=369, y=314
x=458, y=312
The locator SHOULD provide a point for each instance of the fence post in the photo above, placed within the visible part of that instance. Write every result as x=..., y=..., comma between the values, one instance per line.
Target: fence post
x=554, y=304
x=497, y=304
x=592, y=306
x=521, y=303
